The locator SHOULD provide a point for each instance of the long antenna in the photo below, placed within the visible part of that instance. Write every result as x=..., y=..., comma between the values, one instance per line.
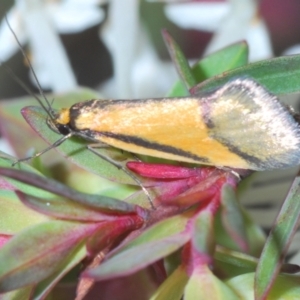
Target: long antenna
x=49, y=110
x=24, y=86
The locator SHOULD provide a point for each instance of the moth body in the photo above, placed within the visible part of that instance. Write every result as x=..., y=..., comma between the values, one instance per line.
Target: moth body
x=239, y=125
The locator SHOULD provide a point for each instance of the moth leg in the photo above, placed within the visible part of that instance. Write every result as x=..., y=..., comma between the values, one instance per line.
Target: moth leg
x=54, y=145
x=136, y=157
x=238, y=173
x=92, y=148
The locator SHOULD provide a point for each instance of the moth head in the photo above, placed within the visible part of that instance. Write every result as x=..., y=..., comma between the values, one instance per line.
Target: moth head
x=60, y=122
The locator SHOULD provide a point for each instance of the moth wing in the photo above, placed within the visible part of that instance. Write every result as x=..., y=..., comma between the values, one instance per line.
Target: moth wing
x=252, y=123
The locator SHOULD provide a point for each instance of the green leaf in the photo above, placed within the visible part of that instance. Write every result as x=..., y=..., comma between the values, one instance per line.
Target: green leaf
x=232, y=217
x=233, y=56
x=173, y=287
x=20, y=294
x=279, y=75
x=6, y=161
x=225, y=59
x=163, y=229
x=203, y=237
x=203, y=285
x=232, y=263
x=255, y=235
x=134, y=259
x=15, y=216
x=243, y=285
x=38, y=251
x=179, y=60
x=100, y=202
x=75, y=256
x=62, y=208
x=286, y=287
x=278, y=242
x=155, y=243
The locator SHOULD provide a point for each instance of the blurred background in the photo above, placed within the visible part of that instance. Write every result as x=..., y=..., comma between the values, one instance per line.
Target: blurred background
x=116, y=47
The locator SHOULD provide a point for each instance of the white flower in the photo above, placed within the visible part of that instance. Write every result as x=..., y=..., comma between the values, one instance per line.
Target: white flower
x=232, y=21
x=138, y=72
x=39, y=22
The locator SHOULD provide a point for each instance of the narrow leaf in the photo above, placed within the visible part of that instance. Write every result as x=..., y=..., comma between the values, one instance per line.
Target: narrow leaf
x=203, y=237
x=135, y=259
x=173, y=287
x=58, y=188
x=204, y=285
x=15, y=216
x=179, y=60
x=233, y=260
x=7, y=183
x=75, y=256
x=166, y=236
x=286, y=287
x=163, y=229
x=231, y=57
x=65, y=209
x=225, y=59
x=20, y=294
x=279, y=75
x=38, y=251
x=278, y=242
x=232, y=218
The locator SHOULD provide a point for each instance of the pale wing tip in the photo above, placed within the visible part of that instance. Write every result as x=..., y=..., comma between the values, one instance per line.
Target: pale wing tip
x=275, y=133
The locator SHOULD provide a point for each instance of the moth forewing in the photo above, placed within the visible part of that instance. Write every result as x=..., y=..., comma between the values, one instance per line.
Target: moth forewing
x=239, y=125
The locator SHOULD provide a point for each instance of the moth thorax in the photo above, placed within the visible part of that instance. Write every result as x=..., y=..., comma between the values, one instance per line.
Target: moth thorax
x=63, y=116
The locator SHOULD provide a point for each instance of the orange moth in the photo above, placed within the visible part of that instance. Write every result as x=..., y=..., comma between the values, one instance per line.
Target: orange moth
x=238, y=125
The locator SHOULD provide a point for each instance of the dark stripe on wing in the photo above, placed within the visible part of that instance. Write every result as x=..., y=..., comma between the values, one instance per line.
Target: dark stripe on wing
x=253, y=161
x=155, y=146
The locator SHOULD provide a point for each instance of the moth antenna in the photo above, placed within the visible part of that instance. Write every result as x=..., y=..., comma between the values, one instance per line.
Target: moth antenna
x=25, y=87
x=49, y=110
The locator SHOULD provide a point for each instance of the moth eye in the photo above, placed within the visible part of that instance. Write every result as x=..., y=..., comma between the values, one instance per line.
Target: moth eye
x=63, y=129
